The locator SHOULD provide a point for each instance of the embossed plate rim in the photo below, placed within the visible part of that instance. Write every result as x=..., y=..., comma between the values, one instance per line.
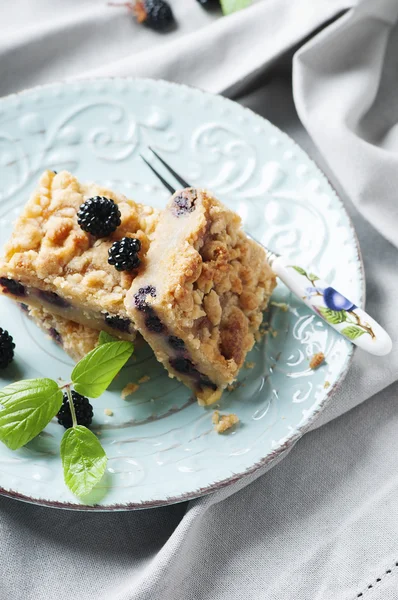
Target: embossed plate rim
x=297, y=433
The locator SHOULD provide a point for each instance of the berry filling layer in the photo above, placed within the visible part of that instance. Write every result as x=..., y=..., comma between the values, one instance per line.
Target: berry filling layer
x=117, y=325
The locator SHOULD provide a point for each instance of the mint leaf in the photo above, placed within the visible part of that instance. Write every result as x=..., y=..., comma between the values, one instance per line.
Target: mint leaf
x=332, y=316
x=299, y=270
x=231, y=6
x=352, y=332
x=83, y=460
x=105, y=338
x=313, y=277
x=29, y=407
x=93, y=374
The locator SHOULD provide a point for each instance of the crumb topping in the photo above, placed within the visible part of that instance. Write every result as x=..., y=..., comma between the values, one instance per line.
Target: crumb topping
x=129, y=389
x=317, y=360
x=49, y=250
x=224, y=422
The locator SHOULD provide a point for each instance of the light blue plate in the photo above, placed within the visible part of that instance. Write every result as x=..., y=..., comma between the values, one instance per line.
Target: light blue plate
x=161, y=445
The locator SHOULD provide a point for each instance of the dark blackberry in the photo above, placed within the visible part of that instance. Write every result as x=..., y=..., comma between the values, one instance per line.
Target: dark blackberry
x=209, y=3
x=53, y=298
x=123, y=255
x=11, y=286
x=184, y=203
x=176, y=342
x=156, y=14
x=118, y=323
x=140, y=297
x=99, y=216
x=184, y=366
x=205, y=382
x=6, y=348
x=55, y=335
x=83, y=410
x=153, y=323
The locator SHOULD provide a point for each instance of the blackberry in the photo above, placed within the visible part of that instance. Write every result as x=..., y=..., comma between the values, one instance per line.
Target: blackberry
x=184, y=366
x=153, y=323
x=83, y=410
x=209, y=2
x=53, y=298
x=116, y=322
x=6, y=348
x=123, y=255
x=156, y=14
x=184, y=203
x=99, y=216
x=176, y=342
x=11, y=286
x=140, y=297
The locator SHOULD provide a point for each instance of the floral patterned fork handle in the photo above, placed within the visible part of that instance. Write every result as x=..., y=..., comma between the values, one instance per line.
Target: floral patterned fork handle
x=340, y=313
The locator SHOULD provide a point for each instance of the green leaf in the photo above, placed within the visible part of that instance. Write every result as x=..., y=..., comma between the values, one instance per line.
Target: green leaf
x=29, y=407
x=313, y=277
x=352, y=332
x=93, y=374
x=105, y=338
x=231, y=6
x=299, y=270
x=83, y=460
x=332, y=316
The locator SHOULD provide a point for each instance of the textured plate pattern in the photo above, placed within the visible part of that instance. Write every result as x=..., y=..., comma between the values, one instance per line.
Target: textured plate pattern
x=161, y=445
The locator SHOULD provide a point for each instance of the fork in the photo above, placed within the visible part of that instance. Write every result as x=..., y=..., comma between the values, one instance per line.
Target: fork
x=334, y=308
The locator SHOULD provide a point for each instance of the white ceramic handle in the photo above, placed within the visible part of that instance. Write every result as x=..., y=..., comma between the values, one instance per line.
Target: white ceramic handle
x=334, y=308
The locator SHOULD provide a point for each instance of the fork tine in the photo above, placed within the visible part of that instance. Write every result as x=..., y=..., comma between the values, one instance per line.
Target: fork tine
x=158, y=175
x=180, y=180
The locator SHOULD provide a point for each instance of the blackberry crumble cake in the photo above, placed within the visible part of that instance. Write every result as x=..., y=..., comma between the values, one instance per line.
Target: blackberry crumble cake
x=52, y=261
x=199, y=301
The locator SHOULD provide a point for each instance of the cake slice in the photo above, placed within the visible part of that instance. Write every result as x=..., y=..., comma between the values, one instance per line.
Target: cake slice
x=51, y=263
x=77, y=340
x=199, y=301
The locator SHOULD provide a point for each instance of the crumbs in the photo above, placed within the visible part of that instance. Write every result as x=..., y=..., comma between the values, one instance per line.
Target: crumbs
x=108, y=412
x=233, y=386
x=317, y=360
x=130, y=388
x=326, y=385
x=249, y=365
x=282, y=305
x=224, y=422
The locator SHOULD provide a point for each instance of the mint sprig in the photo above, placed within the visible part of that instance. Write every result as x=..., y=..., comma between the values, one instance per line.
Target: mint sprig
x=93, y=374
x=83, y=460
x=231, y=6
x=104, y=338
x=29, y=405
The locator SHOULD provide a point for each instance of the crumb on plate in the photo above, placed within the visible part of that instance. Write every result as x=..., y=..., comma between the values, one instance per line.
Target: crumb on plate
x=232, y=386
x=144, y=379
x=108, y=412
x=326, y=385
x=249, y=365
x=129, y=389
x=317, y=360
x=224, y=422
x=282, y=305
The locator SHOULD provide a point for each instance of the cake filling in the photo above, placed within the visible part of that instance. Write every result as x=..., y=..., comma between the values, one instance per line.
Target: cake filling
x=54, y=303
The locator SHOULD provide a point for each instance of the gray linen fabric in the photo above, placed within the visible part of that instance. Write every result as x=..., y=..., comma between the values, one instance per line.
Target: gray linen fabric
x=323, y=523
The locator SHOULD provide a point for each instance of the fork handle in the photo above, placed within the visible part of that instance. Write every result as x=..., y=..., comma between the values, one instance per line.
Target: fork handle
x=333, y=307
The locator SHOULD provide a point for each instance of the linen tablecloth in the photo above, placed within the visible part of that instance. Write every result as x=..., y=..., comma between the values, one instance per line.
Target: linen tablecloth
x=323, y=523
